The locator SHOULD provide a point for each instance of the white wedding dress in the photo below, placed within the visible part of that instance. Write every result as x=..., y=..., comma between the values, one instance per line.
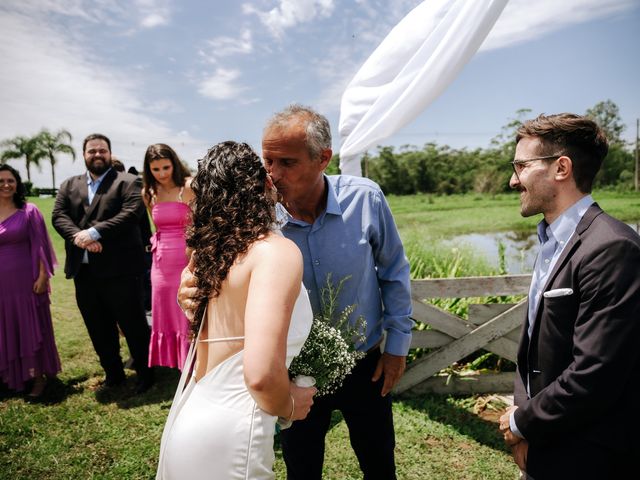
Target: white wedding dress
x=215, y=430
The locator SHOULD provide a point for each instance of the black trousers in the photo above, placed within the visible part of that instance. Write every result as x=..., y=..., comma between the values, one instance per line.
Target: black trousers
x=369, y=419
x=106, y=303
x=580, y=460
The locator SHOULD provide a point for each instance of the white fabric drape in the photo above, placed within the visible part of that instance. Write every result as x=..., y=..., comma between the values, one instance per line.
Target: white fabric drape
x=412, y=66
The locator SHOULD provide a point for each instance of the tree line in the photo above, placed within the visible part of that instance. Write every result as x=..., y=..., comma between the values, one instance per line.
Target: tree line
x=45, y=145
x=433, y=168
x=441, y=169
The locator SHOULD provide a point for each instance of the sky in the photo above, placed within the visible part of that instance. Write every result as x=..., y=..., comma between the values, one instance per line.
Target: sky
x=192, y=73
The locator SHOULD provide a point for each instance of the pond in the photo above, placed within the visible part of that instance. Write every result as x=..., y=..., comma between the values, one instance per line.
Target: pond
x=520, y=247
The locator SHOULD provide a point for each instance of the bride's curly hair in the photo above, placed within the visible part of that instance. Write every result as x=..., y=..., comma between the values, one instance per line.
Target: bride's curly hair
x=231, y=210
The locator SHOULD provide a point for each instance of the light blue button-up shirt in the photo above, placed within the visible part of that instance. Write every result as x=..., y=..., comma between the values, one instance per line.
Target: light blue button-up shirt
x=92, y=188
x=553, y=239
x=356, y=237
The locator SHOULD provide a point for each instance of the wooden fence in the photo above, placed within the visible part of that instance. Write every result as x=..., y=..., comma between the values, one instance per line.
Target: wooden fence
x=494, y=327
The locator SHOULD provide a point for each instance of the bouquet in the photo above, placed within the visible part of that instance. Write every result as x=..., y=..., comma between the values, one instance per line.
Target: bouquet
x=329, y=353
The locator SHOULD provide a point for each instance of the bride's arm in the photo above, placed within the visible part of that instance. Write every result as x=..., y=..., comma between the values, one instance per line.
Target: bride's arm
x=276, y=276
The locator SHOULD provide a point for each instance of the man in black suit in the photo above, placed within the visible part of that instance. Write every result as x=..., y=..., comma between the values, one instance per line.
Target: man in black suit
x=577, y=384
x=98, y=214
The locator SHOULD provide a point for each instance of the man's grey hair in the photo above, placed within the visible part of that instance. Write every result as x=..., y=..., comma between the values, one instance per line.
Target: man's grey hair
x=317, y=127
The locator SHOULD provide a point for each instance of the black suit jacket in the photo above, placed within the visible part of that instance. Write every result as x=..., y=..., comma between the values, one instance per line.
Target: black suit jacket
x=583, y=357
x=115, y=213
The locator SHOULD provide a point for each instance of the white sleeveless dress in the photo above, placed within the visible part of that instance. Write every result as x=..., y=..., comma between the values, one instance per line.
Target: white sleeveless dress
x=215, y=430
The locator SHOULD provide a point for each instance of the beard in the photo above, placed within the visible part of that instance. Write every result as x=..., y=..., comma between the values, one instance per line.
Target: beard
x=102, y=165
x=535, y=201
x=527, y=208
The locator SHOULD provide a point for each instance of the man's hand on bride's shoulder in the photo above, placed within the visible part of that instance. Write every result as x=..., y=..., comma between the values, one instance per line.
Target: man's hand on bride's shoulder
x=187, y=289
x=303, y=398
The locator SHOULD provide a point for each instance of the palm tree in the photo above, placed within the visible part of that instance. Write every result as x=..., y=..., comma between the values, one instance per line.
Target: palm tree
x=18, y=147
x=52, y=144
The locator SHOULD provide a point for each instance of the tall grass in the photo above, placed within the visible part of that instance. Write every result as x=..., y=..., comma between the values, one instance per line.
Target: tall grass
x=432, y=259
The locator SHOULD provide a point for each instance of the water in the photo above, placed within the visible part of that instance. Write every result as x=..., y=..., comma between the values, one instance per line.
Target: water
x=520, y=247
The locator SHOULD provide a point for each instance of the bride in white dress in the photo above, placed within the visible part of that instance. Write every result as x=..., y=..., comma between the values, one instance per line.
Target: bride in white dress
x=253, y=318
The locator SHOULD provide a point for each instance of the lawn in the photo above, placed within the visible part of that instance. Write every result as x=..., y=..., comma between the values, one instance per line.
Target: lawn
x=73, y=433
x=437, y=217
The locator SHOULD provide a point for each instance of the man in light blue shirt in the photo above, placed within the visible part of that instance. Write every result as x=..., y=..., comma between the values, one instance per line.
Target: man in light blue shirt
x=345, y=230
x=89, y=238
x=335, y=243
x=553, y=239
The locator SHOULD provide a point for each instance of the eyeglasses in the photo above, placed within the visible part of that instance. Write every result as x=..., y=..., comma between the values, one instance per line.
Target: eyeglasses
x=518, y=165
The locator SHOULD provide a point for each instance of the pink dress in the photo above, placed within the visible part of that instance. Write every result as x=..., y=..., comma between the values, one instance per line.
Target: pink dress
x=170, y=328
x=27, y=343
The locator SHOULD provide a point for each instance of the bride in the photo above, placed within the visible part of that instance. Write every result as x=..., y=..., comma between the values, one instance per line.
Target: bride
x=252, y=318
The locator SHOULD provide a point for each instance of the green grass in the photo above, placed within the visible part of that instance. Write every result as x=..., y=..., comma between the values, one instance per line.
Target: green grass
x=435, y=217
x=75, y=434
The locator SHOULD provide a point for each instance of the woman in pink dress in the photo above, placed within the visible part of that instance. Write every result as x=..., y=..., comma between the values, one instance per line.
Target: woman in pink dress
x=28, y=353
x=167, y=194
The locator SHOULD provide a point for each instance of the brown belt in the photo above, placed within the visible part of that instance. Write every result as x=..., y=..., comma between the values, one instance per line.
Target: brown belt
x=376, y=346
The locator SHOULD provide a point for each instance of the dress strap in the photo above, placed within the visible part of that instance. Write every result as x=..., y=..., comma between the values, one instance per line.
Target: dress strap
x=180, y=193
x=221, y=339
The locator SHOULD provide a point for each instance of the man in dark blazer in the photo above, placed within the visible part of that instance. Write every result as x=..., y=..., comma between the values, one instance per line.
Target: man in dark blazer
x=98, y=214
x=577, y=385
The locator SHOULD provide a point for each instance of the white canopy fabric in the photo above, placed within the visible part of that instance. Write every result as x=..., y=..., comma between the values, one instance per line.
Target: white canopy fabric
x=414, y=64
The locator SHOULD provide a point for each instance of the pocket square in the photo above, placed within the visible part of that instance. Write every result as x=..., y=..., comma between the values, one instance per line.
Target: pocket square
x=558, y=292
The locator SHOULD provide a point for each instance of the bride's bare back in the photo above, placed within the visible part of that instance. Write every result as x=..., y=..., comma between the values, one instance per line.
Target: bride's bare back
x=255, y=304
x=224, y=322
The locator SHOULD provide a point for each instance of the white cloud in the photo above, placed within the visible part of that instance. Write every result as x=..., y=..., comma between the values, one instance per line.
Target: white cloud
x=290, y=13
x=226, y=46
x=153, y=20
x=106, y=12
x=524, y=20
x=141, y=13
x=221, y=85
x=153, y=13
x=50, y=81
x=162, y=106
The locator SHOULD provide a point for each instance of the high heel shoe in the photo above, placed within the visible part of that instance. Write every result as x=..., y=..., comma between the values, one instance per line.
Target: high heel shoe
x=39, y=384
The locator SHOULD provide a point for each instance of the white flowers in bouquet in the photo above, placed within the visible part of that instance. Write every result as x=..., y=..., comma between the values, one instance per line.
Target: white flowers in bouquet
x=329, y=353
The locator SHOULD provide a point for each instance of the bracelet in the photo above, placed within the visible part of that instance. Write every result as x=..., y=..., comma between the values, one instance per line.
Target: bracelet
x=293, y=407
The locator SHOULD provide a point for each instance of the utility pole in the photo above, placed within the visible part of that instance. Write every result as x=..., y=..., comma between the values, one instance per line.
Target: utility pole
x=637, y=150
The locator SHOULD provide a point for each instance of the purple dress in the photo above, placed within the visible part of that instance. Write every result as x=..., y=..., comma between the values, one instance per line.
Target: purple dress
x=170, y=328
x=27, y=343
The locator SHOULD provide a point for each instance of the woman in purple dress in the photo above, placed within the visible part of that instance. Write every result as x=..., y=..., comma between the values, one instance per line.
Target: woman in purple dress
x=166, y=194
x=28, y=353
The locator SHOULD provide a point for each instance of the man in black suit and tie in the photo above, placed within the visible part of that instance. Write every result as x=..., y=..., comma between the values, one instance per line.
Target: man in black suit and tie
x=577, y=384
x=98, y=214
